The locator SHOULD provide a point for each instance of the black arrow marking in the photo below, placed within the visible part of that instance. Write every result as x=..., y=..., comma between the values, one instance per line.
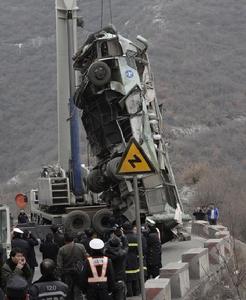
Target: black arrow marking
x=132, y=162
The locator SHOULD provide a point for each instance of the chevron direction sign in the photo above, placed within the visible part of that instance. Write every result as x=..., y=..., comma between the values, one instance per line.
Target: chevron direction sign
x=134, y=160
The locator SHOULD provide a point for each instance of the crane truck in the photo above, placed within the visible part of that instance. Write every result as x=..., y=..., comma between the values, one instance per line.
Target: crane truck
x=108, y=82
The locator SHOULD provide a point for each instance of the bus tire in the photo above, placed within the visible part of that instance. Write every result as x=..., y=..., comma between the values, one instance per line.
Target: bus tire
x=100, y=220
x=77, y=221
x=99, y=73
x=111, y=169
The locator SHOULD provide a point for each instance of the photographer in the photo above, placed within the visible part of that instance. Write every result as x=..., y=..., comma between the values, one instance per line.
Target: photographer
x=15, y=265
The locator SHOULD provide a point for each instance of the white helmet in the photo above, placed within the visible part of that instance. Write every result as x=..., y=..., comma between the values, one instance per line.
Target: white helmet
x=150, y=222
x=17, y=230
x=96, y=244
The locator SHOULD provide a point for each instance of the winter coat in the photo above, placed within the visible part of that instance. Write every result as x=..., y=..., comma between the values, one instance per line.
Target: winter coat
x=23, y=245
x=9, y=269
x=48, y=288
x=59, y=238
x=69, y=257
x=23, y=218
x=31, y=259
x=132, y=261
x=49, y=250
x=118, y=258
x=153, y=249
x=97, y=290
x=200, y=215
x=216, y=214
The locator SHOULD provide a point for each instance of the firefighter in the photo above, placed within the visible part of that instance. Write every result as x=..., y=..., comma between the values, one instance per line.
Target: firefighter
x=48, y=286
x=97, y=278
x=132, y=262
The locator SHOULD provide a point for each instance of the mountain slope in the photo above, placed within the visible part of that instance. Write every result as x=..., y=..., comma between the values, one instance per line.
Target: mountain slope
x=197, y=51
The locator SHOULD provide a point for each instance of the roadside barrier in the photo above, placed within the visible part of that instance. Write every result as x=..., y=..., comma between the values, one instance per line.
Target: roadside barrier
x=198, y=265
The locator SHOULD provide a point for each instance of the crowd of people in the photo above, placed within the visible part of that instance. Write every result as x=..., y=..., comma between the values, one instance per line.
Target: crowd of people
x=81, y=266
x=210, y=214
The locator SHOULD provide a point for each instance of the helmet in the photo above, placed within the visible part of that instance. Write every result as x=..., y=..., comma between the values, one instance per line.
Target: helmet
x=150, y=222
x=17, y=230
x=96, y=244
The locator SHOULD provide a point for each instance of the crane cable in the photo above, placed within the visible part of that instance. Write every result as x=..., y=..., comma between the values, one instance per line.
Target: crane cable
x=102, y=2
x=110, y=12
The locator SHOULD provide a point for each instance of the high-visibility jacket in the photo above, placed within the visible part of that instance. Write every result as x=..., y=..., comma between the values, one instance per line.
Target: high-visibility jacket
x=96, y=270
x=94, y=263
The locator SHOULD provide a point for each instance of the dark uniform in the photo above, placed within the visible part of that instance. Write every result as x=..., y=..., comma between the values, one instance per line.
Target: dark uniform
x=49, y=248
x=132, y=265
x=115, y=251
x=97, y=278
x=23, y=218
x=31, y=259
x=153, y=253
x=16, y=288
x=48, y=287
x=58, y=235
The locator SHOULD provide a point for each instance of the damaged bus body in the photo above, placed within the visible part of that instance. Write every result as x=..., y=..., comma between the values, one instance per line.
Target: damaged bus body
x=110, y=81
x=118, y=100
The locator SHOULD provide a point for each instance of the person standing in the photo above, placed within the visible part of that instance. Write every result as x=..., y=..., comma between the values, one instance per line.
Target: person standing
x=97, y=278
x=118, y=231
x=213, y=215
x=70, y=257
x=15, y=265
x=19, y=242
x=48, y=286
x=132, y=262
x=90, y=234
x=31, y=259
x=22, y=217
x=58, y=235
x=153, y=254
x=117, y=253
x=49, y=248
x=199, y=214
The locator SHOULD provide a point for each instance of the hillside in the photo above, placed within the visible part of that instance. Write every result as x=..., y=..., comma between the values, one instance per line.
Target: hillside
x=197, y=51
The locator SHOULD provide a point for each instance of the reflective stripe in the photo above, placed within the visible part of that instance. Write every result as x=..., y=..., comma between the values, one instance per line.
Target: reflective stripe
x=132, y=245
x=132, y=271
x=49, y=294
x=159, y=234
x=98, y=262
